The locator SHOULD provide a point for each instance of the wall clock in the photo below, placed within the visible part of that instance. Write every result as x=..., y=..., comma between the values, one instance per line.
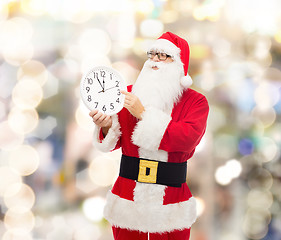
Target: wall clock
x=100, y=89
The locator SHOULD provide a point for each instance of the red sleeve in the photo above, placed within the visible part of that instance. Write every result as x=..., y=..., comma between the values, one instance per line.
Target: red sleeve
x=185, y=135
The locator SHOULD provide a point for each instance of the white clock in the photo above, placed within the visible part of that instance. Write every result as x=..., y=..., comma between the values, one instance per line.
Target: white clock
x=100, y=89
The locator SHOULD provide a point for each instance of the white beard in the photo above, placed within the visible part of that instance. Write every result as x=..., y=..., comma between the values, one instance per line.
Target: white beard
x=159, y=88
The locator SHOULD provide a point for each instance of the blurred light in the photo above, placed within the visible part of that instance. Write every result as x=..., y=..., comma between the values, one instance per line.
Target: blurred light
x=94, y=41
x=45, y=127
x=169, y=16
x=76, y=11
x=151, y=28
x=222, y=48
x=15, y=32
x=217, y=118
x=87, y=233
x=122, y=31
x=266, y=115
x=269, y=149
x=33, y=70
x=129, y=73
x=144, y=6
x=23, y=121
x=246, y=146
x=225, y=145
x=103, y=170
x=260, y=178
x=2, y=110
x=17, y=55
x=277, y=36
x=260, y=199
x=200, y=206
x=60, y=229
x=9, y=235
x=8, y=138
x=223, y=176
x=27, y=94
x=199, y=51
x=255, y=223
x=19, y=198
x=207, y=79
x=8, y=177
x=93, y=208
x=83, y=182
x=226, y=173
x=235, y=167
x=33, y=7
x=19, y=222
x=51, y=87
x=89, y=62
x=207, y=11
x=83, y=119
x=24, y=159
x=267, y=95
x=4, y=11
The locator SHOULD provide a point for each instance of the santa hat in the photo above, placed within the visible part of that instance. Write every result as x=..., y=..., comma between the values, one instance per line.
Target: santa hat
x=178, y=48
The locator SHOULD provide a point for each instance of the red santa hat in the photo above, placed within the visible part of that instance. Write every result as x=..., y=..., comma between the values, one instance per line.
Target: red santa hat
x=178, y=48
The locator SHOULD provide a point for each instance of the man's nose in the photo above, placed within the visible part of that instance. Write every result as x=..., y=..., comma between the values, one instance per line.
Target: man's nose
x=155, y=59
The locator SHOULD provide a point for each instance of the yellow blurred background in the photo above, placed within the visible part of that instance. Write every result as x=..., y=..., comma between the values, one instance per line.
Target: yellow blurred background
x=53, y=182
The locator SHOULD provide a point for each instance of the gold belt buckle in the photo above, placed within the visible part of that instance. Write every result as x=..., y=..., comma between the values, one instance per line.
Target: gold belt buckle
x=147, y=171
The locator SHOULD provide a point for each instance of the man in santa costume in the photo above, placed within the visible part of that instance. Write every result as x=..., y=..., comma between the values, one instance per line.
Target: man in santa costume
x=162, y=122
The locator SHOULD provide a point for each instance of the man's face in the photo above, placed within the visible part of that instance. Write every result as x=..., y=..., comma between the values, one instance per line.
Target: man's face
x=160, y=57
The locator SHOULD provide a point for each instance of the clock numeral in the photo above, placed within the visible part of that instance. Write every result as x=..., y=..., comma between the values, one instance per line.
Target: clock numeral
x=102, y=73
x=118, y=100
x=117, y=83
x=96, y=104
x=110, y=76
x=89, y=98
x=104, y=108
x=118, y=92
x=88, y=89
x=96, y=75
x=111, y=106
x=90, y=80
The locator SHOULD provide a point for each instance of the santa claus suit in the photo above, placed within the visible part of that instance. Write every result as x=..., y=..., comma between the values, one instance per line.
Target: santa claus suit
x=166, y=133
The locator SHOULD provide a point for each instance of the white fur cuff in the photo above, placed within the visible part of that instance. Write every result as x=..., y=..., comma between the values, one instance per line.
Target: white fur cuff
x=109, y=142
x=149, y=131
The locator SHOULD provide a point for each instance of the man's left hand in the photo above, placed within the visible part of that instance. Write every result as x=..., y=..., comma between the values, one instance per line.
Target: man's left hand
x=133, y=104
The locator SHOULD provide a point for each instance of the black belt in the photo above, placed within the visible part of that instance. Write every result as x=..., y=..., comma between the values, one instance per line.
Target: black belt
x=151, y=171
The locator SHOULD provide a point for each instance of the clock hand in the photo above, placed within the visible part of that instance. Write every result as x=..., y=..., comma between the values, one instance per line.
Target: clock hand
x=101, y=85
x=109, y=88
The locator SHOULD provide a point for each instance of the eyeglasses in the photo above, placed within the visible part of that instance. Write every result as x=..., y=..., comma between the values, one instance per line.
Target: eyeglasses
x=161, y=56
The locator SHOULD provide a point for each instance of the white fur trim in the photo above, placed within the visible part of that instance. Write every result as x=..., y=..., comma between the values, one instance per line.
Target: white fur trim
x=186, y=81
x=109, y=142
x=150, y=130
x=166, y=46
x=149, y=217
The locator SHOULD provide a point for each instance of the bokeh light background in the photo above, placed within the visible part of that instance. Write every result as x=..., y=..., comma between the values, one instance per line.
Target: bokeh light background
x=53, y=182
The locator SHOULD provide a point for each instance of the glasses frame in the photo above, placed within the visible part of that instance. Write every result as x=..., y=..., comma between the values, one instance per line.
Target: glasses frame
x=151, y=56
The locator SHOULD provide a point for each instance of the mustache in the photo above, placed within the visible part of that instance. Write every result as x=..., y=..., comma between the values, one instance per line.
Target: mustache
x=150, y=64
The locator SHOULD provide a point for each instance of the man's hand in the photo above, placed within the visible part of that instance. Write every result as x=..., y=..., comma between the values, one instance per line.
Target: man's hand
x=133, y=104
x=101, y=120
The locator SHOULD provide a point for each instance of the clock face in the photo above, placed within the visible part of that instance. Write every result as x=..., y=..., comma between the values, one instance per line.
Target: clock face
x=101, y=89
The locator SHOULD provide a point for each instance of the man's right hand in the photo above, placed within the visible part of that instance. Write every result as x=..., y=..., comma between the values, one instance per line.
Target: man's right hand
x=101, y=120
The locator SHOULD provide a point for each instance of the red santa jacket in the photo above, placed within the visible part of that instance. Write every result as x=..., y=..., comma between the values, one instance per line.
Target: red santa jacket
x=163, y=136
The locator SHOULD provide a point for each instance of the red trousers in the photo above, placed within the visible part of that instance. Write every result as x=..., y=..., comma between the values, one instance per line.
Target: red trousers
x=125, y=234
